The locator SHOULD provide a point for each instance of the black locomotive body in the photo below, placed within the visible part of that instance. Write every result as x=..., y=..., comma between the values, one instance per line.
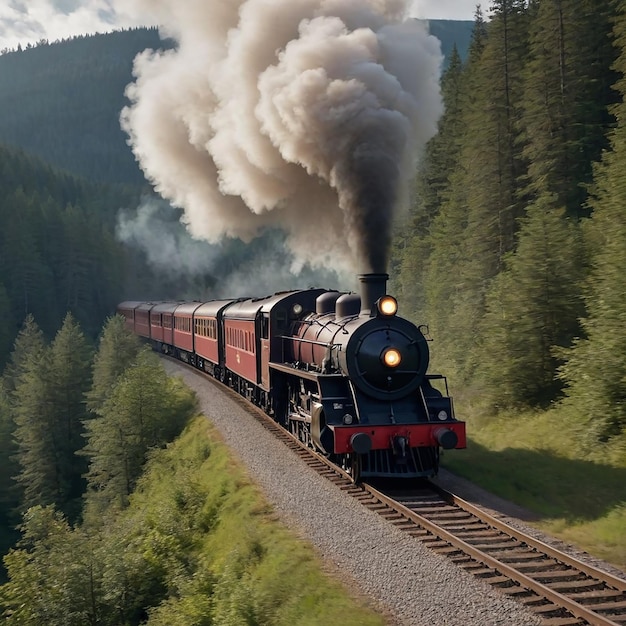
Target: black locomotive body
x=342, y=372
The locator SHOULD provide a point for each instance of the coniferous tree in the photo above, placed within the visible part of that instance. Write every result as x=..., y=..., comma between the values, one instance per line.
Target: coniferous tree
x=440, y=272
x=70, y=360
x=432, y=184
x=567, y=90
x=118, y=348
x=54, y=576
x=145, y=410
x=28, y=346
x=532, y=307
x=7, y=324
x=8, y=466
x=476, y=226
x=596, y=368
x=49, y=412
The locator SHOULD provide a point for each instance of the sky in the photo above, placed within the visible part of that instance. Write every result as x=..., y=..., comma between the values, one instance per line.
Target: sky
x=29, y=21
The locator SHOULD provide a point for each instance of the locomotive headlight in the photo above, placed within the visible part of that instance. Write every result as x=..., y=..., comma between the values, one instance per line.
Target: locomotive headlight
x=347, y=419
x=391, y=357
x=297, y=308
x=387, y=306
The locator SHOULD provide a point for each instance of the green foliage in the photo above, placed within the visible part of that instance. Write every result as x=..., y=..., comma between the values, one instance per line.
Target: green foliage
x=145, y=410
x=70, y=95
x=117, y=349
x=489, y=262
x=51, y=573
x=49, y=410
x=8, y=466
x=57, y=248
x=197, y=546
x=532, y=307
x=28, y=347
x=596, y=367
x=567, y=91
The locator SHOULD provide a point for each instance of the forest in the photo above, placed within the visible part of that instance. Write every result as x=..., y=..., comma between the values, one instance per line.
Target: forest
x=514, y=251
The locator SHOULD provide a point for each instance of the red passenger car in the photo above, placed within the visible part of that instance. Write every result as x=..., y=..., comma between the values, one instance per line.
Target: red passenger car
x=240, y=340
x=162, y=324
x=183, y=327
x=209, y=336
x=127, y=310
x=142, y=319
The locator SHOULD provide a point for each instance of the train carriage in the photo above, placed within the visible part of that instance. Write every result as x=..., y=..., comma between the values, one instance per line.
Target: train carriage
x=183, y=330
x=127, y=310
x=162, y=325
x=209, y=336
x=241, y=346
x=142, y=319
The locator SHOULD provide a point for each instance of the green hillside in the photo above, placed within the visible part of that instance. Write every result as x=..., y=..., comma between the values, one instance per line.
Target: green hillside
x=62, y=102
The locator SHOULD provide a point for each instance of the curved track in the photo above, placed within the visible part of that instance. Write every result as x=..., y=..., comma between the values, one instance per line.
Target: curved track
x=560, y=589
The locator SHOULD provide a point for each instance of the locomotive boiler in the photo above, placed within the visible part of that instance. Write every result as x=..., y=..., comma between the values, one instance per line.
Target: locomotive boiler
x=341, y=371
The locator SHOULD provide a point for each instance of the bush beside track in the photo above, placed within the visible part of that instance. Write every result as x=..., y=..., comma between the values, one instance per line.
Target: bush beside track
x=238, y=564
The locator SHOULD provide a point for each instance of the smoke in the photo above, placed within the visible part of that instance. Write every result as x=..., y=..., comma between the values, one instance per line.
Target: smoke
x=225, y=269
x=155, y=229
x=305, y=115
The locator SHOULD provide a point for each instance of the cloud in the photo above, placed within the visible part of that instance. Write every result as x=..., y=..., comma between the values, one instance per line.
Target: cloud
x=24, y=22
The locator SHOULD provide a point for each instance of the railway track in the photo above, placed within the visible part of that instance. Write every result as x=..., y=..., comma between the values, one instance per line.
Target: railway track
x=561, y=590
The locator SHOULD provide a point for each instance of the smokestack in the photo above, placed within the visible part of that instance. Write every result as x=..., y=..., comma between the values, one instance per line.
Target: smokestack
x=373, y=287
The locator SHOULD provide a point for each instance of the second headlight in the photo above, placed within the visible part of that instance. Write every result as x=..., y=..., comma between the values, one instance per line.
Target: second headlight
x=391, y=357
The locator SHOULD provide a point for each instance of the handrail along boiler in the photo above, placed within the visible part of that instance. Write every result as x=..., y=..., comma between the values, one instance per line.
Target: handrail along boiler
x=341, y=371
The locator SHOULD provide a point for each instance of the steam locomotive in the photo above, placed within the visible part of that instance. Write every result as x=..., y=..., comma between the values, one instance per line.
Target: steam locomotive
x=341, y=371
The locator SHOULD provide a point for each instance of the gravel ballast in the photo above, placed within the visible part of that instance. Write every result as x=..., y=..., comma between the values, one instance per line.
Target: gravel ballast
x=401, y=577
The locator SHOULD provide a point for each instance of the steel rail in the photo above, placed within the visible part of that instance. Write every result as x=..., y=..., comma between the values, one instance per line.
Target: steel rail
x=559, y=599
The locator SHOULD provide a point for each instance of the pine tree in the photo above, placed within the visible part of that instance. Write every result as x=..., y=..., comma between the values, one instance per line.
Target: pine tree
x=118, y=348
x=596, y=368
x=28, y=346
x=54, y=576
x=567, y=90
x=70, y=361
x=8, y=467
x=532, y=307
x=49, y=411
x=432, y=186
x=476, y=226
x=145, y=410
x=7, y=325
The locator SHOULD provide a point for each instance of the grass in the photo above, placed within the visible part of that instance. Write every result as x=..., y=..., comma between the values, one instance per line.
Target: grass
x=236, y=563
x=538, y=461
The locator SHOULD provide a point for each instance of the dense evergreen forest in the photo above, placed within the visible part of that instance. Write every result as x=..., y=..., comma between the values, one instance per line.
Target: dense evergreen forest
x=515, y=249
x=57, y=247
x=61, y=102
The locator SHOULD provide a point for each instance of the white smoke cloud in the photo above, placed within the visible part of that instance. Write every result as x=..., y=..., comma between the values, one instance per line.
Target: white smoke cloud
x=306, y=115
x=234, y=270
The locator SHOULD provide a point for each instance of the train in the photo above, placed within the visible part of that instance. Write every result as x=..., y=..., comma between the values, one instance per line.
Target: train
x=342, y=371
